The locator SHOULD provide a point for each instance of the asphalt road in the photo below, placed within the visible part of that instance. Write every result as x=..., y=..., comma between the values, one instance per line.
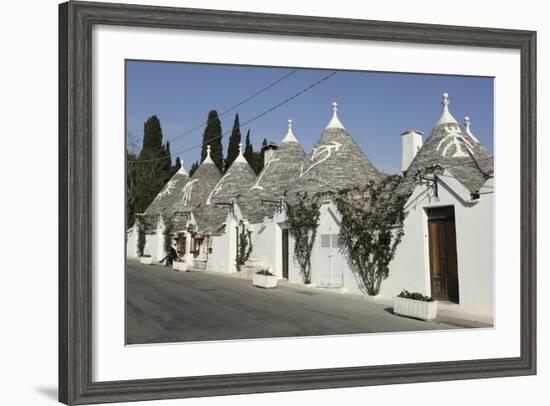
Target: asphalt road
x=169, y=306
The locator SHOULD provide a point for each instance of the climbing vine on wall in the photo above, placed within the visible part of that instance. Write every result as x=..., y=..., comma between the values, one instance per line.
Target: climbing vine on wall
x=302, y=218
x=245, y=246
x=372, y=227
x=167, y=234
x=140, y=239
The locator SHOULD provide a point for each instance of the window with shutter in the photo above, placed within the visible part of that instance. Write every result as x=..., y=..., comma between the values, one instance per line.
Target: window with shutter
x=325, y=240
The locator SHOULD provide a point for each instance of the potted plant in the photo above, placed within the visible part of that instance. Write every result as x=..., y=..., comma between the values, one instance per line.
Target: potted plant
x=264, y=279
x=414, y=304
x=146, y=260
x=179, y=265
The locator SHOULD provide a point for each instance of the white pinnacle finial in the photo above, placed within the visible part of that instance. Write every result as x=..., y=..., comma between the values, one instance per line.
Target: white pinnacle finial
x=240, y=158
x=446, y=117
x=467, y=123
x=445, y=101
x=208, y=159
x=335, y=121
x=289, y=137
x=182, y=168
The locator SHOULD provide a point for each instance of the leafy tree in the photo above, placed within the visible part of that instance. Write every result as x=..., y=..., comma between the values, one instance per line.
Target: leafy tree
x=152, y=139
x=141, y=240
x=248, y=149
x=148, y=171
x=372, y=227
x=302, y=218
x=258, y=161
x=234, y=141
x=213, y=136
x=244, y=246
x=167, y=234
x=177, y=165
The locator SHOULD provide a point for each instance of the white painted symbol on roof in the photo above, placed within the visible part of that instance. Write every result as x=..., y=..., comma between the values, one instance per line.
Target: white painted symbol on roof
x=325, y=150
x=187, y=192
x=217, y=188
x=257, y=184
x=167, y=189
x=454, y=137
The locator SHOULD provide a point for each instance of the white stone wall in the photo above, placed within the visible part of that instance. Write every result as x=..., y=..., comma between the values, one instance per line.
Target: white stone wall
x=131, y=242
x=267, y=246
x=223, y=255
x=410, y=268
x=154, y=245
x=217, y=259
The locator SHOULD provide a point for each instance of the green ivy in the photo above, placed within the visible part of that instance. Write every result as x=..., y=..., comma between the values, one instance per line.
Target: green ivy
x=141, y=239
x=372, y=227
x=302, y=218
x=167, y=235
x=245, y=247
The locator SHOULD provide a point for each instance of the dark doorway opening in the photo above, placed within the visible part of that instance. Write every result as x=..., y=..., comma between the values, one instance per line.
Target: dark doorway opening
x=443, y=258
x=285, y=252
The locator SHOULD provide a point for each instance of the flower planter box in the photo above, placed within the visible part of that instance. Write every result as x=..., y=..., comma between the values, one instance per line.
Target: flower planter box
x=264, y=281
x=417, y=309
x=179, y=266
x=146, y=260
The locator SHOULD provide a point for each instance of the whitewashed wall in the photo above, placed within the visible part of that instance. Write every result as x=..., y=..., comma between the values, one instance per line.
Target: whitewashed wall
x=410, y=268
x=267, y=246
x=329, y=223
x=131, y=242
x=222, y=257
x=217, y=259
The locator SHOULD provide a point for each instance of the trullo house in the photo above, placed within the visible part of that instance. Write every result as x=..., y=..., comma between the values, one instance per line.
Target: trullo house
x=150, y=222
x=447, y=247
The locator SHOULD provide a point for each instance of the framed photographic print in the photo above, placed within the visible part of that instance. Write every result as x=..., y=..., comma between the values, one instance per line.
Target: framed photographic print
x=259, y=202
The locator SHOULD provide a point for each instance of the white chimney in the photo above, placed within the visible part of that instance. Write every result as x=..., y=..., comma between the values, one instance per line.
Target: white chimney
x=411, y=142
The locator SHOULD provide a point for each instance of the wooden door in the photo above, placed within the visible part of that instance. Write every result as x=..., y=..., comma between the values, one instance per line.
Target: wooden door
x=443, y=258
x=285, y=253
x=182, y=240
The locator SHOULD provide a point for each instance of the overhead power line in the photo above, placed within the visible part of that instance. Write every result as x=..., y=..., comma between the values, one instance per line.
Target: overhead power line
x=236, y=105
x=275, y=107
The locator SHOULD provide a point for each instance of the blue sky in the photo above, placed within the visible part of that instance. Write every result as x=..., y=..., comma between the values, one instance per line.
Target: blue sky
x=375, y=107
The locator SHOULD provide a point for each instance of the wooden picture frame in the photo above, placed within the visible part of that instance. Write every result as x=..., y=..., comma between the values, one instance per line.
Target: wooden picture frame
x=76, y=20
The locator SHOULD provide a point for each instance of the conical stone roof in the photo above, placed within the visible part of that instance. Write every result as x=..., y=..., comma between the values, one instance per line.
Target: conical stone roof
x=454, y=149
x=335, y=162
x=196, y=191
x=169, y=193
x=275, y=178
x=233, y=185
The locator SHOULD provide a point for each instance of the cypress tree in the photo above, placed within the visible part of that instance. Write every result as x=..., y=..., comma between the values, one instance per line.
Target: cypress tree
x=146, y=177
x=249, y=150
x=234, y=141
x=152, y=139
x=213, y=136
x=176, y=166
x=258, y=160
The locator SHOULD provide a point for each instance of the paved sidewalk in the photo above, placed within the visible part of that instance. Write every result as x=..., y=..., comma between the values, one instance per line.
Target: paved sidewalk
x=169, y=306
